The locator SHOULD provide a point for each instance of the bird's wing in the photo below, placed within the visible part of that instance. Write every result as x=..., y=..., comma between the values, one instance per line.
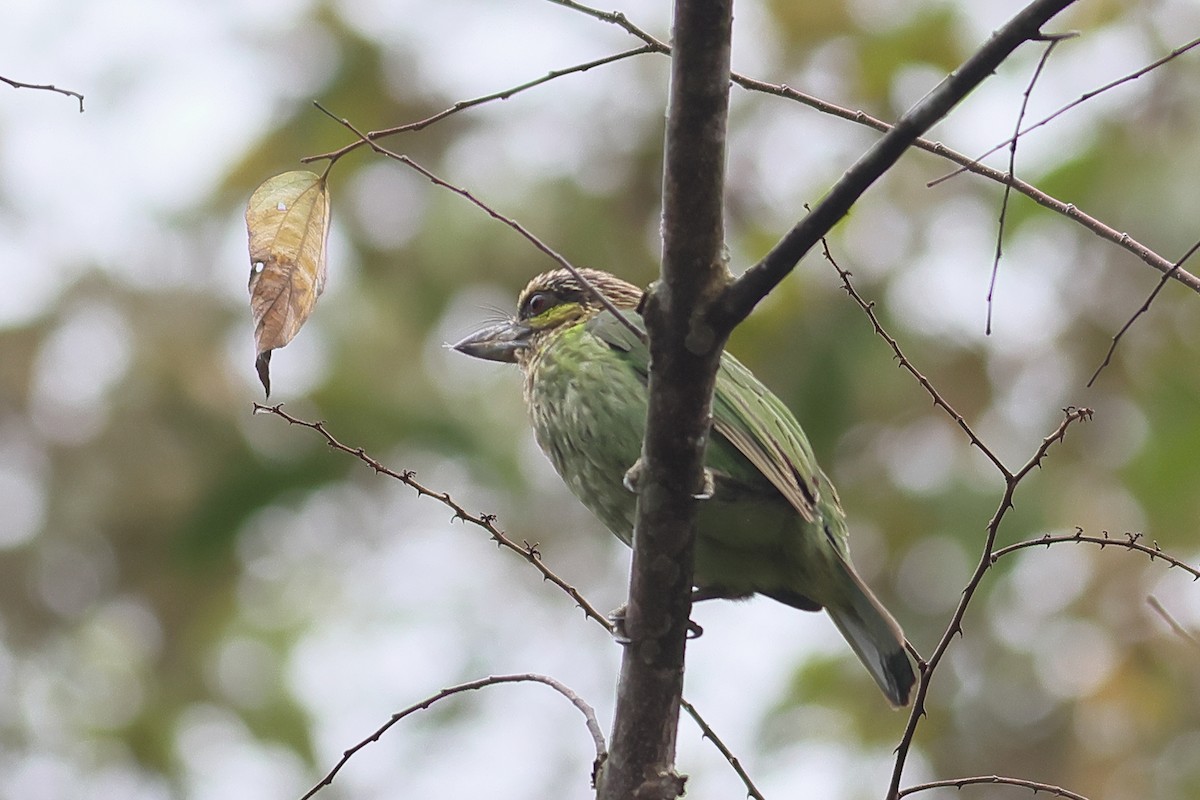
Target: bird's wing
x=745, y=413
x=763, y=430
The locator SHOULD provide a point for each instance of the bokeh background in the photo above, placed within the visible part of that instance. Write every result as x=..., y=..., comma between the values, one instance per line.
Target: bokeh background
x=196, y=602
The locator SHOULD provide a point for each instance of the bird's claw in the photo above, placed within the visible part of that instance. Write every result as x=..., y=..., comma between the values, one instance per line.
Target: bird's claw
x=633, y=476
x=617, y=618
x=710, y=486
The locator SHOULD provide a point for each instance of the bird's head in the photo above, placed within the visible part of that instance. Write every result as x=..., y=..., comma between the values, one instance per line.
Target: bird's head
x=552, y=302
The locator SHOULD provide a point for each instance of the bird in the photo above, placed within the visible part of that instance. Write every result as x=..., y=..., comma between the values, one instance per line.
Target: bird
x=772, y=523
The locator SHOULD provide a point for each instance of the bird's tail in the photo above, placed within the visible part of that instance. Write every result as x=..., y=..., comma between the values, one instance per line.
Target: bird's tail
x=875, y=637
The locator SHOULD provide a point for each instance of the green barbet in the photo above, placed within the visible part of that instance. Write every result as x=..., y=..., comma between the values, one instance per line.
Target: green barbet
x=773, y=524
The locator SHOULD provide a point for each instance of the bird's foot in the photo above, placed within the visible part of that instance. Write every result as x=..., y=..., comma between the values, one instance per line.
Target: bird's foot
x=633, y=476
x=617, y=618
x=620, y=636
x=709, y=488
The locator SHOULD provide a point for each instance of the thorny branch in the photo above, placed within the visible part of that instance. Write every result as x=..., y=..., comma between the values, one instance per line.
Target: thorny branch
x=708, y=733
x=1129, y=541
x=986, y=560
x=958, y=783
x=487, y=522
x=989, y=554
x=903, y=361
x=1068, y=210
x=588, y=712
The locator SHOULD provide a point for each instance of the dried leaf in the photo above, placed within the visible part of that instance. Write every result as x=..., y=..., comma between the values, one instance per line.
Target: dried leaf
x=288, y=222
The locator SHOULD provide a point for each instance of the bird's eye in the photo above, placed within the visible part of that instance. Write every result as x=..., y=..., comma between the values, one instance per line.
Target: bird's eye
x=537, y=303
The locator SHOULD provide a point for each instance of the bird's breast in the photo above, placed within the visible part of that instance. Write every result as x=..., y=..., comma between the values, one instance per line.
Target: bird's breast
x=588, y=409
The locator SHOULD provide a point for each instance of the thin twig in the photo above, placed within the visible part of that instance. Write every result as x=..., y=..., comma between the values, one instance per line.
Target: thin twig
x=618, y=19
x=958, y=783
x=1012, y=172
x=44, y=87
x=462, y=105
x=589, y=715
x=1112, y=348
x=1178, y=51
x=1172, y=623
x=494, y=214
x=710, y=734
x=487, y=522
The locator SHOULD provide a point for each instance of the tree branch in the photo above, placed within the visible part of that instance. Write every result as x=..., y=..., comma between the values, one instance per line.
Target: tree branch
x=684, y=356
x=1068, y=210
x=756, y=282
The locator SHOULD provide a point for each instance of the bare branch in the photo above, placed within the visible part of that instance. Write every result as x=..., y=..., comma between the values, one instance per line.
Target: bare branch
x=958, y=783
x=45, y=87
x=589, y=715
x=741, y=297
x=462, y=105
x=1112, y=348
x=487, y=522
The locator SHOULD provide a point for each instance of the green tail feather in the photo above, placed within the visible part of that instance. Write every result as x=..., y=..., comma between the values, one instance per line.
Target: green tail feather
x=876, y=638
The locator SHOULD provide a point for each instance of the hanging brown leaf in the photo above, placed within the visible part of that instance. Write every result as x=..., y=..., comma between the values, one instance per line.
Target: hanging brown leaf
x=288, y=222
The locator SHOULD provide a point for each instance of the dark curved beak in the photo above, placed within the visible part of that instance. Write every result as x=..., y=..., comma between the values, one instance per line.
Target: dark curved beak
x=500, y=342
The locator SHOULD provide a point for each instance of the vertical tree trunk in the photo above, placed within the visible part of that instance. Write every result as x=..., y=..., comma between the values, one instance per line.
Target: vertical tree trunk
x=685, y=353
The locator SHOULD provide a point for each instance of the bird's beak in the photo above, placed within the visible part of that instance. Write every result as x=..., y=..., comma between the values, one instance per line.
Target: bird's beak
x=500, y=342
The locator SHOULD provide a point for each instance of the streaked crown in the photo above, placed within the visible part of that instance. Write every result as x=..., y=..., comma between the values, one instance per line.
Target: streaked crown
x=557, y=298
